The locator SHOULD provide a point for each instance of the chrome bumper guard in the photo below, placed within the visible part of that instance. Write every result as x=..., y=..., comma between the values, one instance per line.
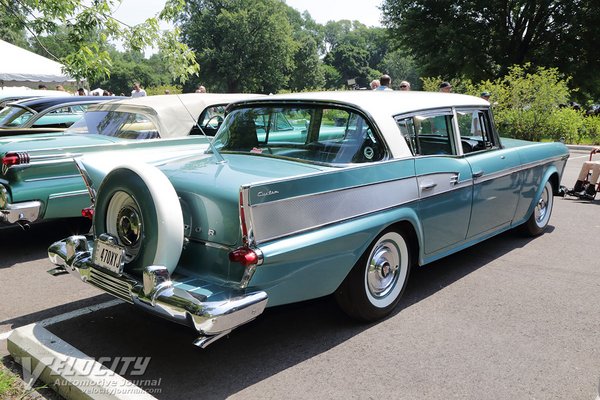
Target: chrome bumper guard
x=157, y=294
x=27, y=211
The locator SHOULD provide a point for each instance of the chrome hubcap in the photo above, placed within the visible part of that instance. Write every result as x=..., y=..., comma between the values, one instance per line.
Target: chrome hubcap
x=129, y=226
x=382, y=273
x=124, y=221
x=542, y=207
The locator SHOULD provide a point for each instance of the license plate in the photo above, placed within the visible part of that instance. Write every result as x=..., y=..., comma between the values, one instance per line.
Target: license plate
x=108, y=256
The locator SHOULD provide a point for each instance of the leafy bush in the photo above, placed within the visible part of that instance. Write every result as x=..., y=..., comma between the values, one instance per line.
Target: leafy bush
x=524, y=102
x=154, y=90
x=591, y=129
x=565, y=123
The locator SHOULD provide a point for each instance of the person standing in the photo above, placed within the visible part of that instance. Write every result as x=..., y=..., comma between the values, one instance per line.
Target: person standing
x=201, y=89
x=445, y=87
x=375, y=84
x=138, y=91
x=386, y=83
x=405, y=86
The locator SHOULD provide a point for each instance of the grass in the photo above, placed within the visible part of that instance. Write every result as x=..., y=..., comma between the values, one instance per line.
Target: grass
x=10, y=387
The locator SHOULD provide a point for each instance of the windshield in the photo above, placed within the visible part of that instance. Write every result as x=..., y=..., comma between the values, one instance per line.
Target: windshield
x=13, y=116
x=306, y=133
x=125, y=125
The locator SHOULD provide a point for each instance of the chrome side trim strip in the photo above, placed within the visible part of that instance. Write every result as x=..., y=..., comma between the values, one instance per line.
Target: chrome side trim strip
x=289, y=216
x=510, y=171
x=68, y=194
x=284, y=217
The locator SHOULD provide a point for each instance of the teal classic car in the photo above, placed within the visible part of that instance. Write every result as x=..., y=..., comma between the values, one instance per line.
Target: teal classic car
x=306, y=195
x=45, y=112
x=39, y=179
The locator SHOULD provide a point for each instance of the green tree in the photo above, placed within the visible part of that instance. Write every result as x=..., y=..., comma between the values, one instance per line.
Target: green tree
x=354, y=50
x=12, y=30
x=306, y=73
x=241, y=45
x=401, y=67
x=481, y=39
x=89, y=26
x=130, y=67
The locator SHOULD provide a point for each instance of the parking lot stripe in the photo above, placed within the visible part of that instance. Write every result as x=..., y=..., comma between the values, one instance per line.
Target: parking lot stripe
x=79, y=312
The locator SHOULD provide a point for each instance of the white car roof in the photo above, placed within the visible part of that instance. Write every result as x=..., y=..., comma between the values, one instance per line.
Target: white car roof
x=383, y=105
x=172, y=112
x=388, y=101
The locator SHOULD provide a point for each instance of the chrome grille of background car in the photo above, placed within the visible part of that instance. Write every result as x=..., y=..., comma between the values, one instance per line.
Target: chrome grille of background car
x=110, y=284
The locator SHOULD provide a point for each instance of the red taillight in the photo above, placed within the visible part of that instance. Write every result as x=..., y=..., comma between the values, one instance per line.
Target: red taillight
x=244, y=256
x=88, y=213
x=11, y=159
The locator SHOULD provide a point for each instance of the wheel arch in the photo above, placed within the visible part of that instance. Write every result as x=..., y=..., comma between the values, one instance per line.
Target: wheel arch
x=414, y=239
x=550, y=175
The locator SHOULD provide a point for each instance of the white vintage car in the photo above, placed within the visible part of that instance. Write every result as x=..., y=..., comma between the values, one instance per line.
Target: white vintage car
x=308, y=195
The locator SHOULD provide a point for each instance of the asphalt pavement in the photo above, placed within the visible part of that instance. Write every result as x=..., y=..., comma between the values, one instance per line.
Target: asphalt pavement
x=510, y=318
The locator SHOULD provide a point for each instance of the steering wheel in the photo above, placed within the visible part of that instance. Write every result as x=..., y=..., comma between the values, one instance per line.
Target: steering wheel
x=214, y=122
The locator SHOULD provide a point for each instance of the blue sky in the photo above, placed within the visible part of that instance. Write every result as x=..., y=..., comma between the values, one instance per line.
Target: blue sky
x=365, y=11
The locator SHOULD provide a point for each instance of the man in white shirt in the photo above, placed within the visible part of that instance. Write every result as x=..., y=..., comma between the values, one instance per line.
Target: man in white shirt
x=137, y=91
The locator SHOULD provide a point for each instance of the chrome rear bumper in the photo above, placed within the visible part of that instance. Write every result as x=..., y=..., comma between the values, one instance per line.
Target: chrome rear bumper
x=27, y=211
x=158, y=294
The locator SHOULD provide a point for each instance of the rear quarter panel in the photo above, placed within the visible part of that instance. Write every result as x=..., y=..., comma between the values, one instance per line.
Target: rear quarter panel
x=540, y=162
x=313, y=229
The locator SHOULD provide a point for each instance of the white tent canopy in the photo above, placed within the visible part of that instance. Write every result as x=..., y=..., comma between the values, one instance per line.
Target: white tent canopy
x=19, y=66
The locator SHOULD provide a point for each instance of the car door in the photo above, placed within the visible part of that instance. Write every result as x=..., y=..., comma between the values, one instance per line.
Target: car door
x=495, y=171
x=443, y=178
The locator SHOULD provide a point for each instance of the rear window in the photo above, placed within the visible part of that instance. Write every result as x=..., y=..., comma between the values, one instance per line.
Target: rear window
x=304, y=133
x=14, y=117
x=123, y=125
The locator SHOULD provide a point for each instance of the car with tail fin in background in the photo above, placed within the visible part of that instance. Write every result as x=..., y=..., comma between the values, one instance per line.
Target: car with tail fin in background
x=39, y=179
x=307, y=195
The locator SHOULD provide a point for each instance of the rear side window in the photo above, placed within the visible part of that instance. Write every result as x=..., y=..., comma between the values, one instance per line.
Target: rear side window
x=123, y=125
x=429, y=133
x=476, y=130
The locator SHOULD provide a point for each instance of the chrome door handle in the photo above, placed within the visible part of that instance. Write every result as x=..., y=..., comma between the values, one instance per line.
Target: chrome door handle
x=427, y=186
x=478, y=174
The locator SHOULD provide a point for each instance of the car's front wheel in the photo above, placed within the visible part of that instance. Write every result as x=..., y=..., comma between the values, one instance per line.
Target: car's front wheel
x=375, y=284
x=538, y=221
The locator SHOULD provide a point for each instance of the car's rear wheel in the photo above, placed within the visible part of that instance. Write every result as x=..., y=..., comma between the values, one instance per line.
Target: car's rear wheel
x=538, y=221
x=375, y=284
x=138, y=206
